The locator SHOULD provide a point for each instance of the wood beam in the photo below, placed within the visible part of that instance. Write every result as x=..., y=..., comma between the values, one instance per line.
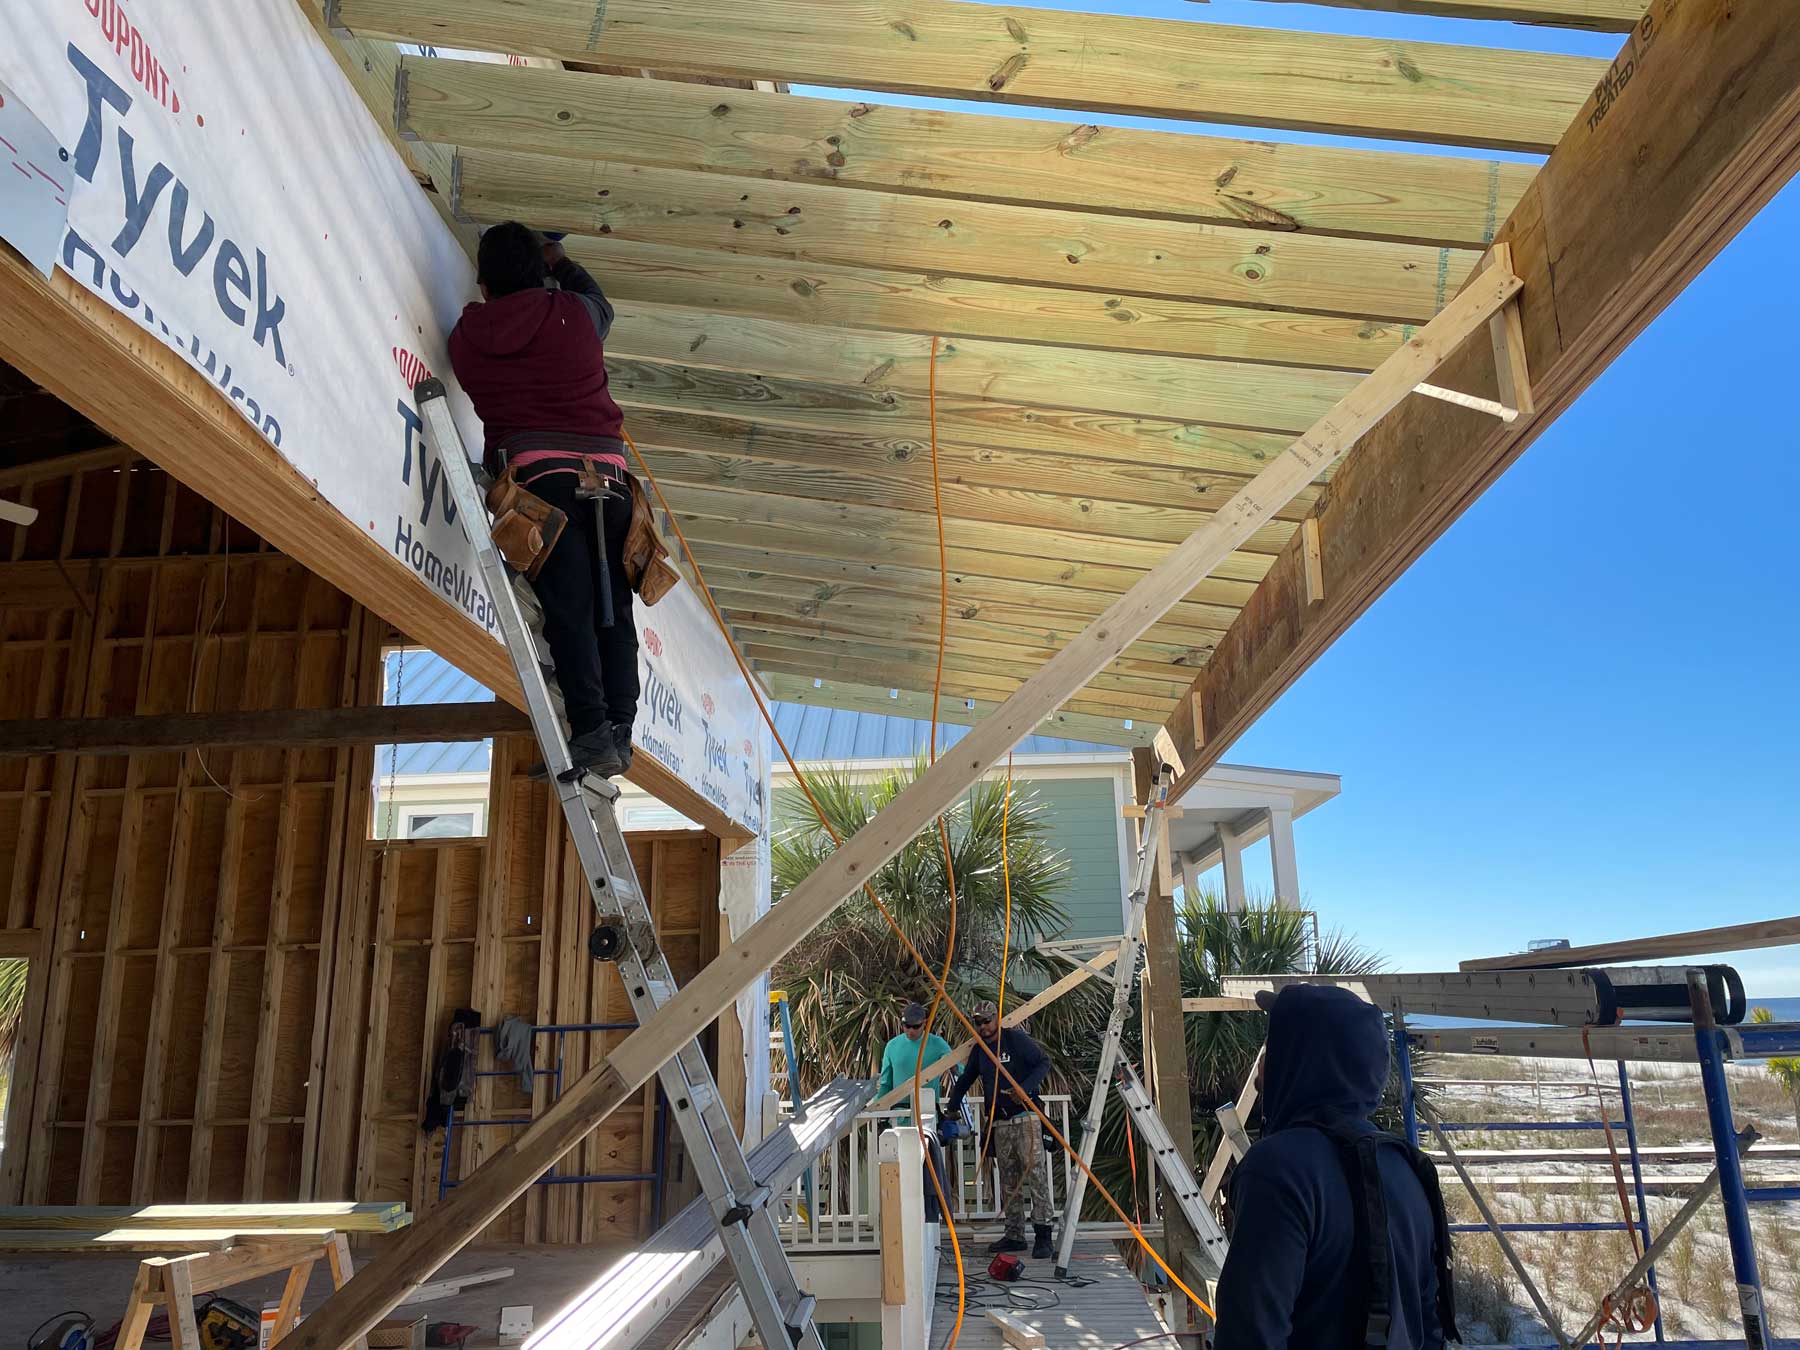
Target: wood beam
x=1601, y=16
x=1423, y=199
x=1122, y=531
x=882, y=299
x=782, y=646
x=818, y=223
x=106, y=366
x=777, y=544
x=1089, y=62
x=957, y=685
x=484, y=1194
x=1230, y=393
x=1697, y=942
x=889, y=419
x=288, y=729
x=1063, y=470
x=1654, y=178
x=835, y=693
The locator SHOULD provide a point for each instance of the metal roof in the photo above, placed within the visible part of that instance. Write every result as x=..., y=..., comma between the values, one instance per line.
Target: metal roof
x=815, y=734
x=412, y=676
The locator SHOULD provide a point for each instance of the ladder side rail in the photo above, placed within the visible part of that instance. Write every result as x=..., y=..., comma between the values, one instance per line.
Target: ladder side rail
x=1179, y=1183
x=1125, y=968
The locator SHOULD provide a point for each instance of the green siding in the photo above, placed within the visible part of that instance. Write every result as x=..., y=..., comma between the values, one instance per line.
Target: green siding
x=1084, y=827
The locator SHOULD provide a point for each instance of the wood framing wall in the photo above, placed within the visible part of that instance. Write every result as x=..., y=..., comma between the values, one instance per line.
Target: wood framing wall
x=237, y=995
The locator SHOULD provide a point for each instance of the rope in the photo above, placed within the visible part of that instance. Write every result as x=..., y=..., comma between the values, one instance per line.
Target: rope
x=912, y=949
x=1636, y=1310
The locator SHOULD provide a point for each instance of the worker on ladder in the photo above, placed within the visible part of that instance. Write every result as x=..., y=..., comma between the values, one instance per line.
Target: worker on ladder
x=533, y=361
x=1012, y=1129
x=1339, y=1238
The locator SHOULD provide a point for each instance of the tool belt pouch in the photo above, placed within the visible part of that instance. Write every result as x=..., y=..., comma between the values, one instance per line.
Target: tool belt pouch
x=647, y=565
x=526, y=527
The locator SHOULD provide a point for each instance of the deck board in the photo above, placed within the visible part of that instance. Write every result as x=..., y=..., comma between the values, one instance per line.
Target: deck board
x=1102, y=1305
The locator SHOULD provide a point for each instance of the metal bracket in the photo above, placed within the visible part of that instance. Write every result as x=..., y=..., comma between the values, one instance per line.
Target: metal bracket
x=456, y=210
x=333, y=19
x=401, y=130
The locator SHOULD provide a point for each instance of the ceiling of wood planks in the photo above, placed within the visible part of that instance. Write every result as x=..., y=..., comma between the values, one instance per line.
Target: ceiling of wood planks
x=1127, y=322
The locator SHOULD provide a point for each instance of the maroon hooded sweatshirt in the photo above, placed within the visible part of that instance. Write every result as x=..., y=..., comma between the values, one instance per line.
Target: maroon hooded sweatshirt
x=535, y=361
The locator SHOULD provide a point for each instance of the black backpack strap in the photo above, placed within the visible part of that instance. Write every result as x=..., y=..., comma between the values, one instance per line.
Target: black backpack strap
x=1358, y=1151
x=1427, y=1172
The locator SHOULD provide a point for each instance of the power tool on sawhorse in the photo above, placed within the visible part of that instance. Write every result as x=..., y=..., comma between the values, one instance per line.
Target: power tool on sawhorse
x=624, y=931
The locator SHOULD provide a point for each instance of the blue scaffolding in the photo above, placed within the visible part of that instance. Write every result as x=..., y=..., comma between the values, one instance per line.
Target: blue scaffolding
x=558, y=1031
x=1712, y=1046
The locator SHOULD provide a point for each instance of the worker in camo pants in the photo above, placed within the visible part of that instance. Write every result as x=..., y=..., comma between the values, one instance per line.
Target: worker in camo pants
x=1013, y=1125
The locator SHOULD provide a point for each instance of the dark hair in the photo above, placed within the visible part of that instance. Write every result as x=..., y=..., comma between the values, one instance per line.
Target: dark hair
x=510, y=258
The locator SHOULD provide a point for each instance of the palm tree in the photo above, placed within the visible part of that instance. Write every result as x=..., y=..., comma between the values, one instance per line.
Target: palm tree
x=848, y=980
x=1784, y=1070
x=12, y=1018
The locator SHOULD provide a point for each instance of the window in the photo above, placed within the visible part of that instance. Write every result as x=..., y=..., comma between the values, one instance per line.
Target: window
x=431, y=789
x=439, y=825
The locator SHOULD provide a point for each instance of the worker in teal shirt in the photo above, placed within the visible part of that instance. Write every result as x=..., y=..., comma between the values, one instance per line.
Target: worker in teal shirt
x=900, y=1057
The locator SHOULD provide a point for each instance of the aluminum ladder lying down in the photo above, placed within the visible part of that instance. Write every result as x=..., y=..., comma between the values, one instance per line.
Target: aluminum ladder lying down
x=625, y=932
x=1178, y=1179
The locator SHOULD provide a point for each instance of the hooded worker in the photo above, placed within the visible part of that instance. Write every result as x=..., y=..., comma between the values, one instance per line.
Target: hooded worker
x=1339, y=1240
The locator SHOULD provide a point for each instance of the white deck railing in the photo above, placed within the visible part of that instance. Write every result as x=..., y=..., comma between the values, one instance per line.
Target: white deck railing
x=836, y=1206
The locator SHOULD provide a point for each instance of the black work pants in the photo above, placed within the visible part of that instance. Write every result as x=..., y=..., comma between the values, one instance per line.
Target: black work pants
x=596, y=664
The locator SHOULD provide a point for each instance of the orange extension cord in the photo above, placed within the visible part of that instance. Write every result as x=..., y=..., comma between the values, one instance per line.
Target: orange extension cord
x=942, y=996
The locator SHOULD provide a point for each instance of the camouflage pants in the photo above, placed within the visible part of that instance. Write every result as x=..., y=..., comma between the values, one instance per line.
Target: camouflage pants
x=1019, y=1149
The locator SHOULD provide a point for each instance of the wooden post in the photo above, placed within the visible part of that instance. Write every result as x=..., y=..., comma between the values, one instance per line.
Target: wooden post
x=1165, y=1038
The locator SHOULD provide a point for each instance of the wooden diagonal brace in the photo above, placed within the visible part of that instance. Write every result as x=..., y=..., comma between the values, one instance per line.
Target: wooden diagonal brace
x=418, y=1252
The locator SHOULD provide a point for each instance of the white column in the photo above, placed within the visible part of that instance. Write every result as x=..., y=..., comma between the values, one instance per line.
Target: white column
x=1190, y=881
x=909, y=1245
x=1284, y=868
x=1231, y=853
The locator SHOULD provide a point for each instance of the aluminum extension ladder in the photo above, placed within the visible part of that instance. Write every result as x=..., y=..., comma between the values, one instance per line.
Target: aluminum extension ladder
x=1179, y=1184
x=625, y=931
x=1152, y=838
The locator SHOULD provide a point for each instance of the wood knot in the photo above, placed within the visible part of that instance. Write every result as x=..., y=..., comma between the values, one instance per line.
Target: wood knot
x=721, y=109
x=1015, y=30
x=1007, y=71
x=905, y=30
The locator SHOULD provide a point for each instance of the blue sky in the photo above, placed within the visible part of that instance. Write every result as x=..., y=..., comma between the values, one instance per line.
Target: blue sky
x=1575, y=716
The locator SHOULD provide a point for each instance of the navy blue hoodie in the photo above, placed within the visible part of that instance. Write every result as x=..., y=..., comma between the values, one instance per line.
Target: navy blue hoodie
x=1293, y=1278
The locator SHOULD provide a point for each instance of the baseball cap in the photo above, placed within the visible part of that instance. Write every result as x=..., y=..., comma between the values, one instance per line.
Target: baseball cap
x=983, y=1011
x=914, y=1016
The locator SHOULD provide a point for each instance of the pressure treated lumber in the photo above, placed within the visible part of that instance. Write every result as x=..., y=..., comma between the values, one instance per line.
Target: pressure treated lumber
x=1277, y=398
x=891, y=701
x=1604, y=16
x=287, y=728
x=1696, y=942
x=818, y=223
x=886, y=417
x=328, y=1216
x=417, y=1253
x=145, y=1240
x=106, y=366
x=665, y=436
x=893, y=300
x=1425, y=199
x=1655, y=176
x=1083, y=61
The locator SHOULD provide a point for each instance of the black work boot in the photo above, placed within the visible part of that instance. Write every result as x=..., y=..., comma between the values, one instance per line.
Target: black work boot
x=1006, y=1242
x=1041, y=1249
x=621, y=733
x=593, y=750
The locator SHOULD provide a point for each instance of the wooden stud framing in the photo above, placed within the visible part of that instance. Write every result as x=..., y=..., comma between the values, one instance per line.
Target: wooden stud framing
x=1314, y=575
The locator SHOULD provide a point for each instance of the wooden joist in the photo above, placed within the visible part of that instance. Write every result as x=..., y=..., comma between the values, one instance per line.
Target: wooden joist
x=816, y=223
x=145, y=1240
x=890, y=700
x=1426, y=199
x=1697, y=942
x=1604, y=16
x=1230, y=393
x=328, y=1216
x=288, y=728
x=830, y=295
x=1656, y=175
x=1082, y=61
